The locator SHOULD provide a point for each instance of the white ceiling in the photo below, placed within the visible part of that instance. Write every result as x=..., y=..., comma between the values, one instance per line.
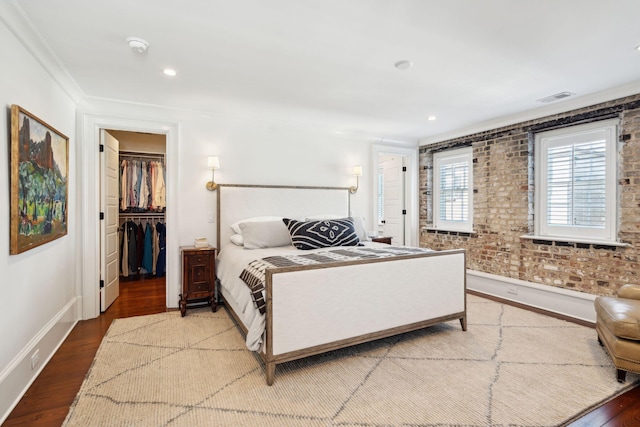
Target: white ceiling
x=330, y=63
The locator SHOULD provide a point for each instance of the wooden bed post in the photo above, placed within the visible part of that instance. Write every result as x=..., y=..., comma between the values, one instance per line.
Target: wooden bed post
x=269, y=364
x=271, y=372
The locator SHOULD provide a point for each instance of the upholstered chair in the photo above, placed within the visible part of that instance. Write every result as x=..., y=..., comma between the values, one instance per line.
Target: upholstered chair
x=618, y=328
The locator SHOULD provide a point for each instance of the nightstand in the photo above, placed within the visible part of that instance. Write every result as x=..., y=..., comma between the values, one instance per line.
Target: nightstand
x=381, y=239
x=198, y=277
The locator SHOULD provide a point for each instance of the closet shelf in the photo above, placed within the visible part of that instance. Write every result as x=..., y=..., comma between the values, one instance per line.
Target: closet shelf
x=141, y=214
x=141, y=155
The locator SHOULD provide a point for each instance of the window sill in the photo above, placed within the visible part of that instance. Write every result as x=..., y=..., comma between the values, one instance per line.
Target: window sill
x=593, y=242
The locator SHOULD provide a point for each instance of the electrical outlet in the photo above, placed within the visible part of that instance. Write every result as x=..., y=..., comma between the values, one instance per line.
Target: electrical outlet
x=512, y=290
x=35, y=358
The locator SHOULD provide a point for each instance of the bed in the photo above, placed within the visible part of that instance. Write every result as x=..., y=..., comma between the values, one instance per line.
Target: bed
x=319, y=307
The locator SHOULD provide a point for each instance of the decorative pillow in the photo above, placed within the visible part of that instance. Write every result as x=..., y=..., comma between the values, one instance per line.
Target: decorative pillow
x=237, y=239
x=264, y=234
x=307, y=235
x=236, y=225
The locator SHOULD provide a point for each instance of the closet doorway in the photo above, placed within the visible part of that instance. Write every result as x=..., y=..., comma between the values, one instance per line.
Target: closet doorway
x=133, y=202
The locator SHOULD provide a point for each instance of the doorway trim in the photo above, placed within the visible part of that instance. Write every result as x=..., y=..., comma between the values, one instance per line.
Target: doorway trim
x=88, y=188
x=411, y=191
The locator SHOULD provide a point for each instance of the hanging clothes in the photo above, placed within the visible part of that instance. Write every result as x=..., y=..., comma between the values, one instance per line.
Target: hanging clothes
x=139, y=245
x=135, y=187
x=159, y=195
x=132, y=231
x=147, y=257
x=156, y=247
x=162, y=239
x=124, y=251
x=124, y=170
x=142, y=187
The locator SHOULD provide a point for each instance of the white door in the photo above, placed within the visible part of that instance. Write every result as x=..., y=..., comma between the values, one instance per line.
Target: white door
x=110, y=171
x=393, y=222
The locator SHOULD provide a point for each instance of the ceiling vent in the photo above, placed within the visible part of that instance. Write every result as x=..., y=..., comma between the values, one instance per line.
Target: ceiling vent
x=556, y=97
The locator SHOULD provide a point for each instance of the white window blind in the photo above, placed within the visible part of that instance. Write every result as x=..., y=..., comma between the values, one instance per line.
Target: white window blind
x=577, y=185
x=575, y=182
x=453, y=188
x=454, y=192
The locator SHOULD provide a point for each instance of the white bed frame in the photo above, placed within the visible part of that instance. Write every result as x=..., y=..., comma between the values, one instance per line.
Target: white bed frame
x=319, y=308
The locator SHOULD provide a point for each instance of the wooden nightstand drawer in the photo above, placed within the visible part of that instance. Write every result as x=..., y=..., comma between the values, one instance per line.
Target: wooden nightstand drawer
x=197, y=259
x=382, y=239
x=198, y=277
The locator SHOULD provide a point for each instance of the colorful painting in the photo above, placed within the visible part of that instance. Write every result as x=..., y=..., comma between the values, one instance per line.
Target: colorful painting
x=39, y=182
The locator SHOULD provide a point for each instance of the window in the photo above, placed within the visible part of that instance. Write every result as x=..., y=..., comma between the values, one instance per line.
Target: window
x=452, y=190
x=575, y=182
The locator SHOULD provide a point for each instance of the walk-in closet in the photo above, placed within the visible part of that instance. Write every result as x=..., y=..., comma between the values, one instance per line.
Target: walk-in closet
x=142, y=206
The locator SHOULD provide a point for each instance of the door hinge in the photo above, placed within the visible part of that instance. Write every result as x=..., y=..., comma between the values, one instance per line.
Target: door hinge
x=404, y=169
x=101, y=215
x=404, y=211
x=102, y=148
x=101, y=284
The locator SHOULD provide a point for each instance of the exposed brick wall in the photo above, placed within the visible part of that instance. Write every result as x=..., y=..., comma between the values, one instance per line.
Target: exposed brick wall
x=503, y=207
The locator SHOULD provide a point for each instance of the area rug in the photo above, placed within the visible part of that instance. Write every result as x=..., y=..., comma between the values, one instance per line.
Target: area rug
x=512, y=367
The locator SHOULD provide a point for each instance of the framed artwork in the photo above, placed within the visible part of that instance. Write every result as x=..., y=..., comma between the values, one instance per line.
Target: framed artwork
x=39, y=182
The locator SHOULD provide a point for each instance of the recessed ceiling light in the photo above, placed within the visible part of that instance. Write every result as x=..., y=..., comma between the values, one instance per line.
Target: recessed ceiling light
x=638, y=48
x=431, y=118
x=403, y=65
x=169, y=72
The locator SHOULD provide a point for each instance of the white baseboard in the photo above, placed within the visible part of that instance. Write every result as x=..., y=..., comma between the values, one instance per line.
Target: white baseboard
x=578, y=305
x=18, y=376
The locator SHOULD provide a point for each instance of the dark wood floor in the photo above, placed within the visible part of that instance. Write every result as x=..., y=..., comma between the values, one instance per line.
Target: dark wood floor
x=47, y=401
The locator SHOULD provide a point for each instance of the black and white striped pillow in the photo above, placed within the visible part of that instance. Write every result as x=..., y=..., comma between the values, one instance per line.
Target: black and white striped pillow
x=307, y=235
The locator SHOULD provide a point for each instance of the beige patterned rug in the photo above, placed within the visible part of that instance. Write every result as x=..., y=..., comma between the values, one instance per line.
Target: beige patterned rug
x=511, y=368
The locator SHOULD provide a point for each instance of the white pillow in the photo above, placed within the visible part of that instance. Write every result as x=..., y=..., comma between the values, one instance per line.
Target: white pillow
x=236, y=225
x=322, y=217
x=361, y=229
x=265, y=234
x=237, y=239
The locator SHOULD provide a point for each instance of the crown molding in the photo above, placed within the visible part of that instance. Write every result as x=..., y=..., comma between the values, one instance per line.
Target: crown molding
x=19, y=24
x=549, y=110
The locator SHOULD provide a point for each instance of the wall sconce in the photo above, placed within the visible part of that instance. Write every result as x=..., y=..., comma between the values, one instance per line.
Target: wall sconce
x=357, y=172
x=213, y=163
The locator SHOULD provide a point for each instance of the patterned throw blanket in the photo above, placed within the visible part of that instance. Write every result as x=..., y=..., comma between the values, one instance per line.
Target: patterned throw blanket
x=254, y=274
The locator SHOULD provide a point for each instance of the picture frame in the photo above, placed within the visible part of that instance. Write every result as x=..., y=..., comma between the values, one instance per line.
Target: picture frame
x=39, y=182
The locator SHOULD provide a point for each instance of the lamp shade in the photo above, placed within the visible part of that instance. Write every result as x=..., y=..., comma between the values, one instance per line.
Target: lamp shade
x=213, y=162
x=357, y=170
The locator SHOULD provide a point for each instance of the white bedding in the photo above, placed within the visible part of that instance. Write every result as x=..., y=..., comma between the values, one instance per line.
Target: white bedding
x=231, y=260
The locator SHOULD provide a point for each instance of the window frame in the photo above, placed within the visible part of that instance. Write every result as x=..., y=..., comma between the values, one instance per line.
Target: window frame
x=571, y=136
x=449, y=157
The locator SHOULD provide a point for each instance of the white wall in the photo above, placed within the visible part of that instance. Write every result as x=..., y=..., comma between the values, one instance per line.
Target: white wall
x=38, y=286
x=258, y=153
x=250, y=151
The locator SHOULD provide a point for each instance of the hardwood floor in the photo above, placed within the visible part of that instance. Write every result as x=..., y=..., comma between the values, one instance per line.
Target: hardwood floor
x=47, y=401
